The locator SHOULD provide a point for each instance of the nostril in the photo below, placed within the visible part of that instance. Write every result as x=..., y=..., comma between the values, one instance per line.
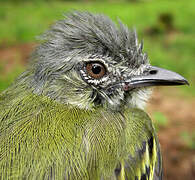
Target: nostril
x=153, y=71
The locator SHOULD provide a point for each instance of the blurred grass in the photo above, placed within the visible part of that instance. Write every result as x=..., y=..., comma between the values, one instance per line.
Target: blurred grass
x=189, y=139
x=10, y=77
x=160, y=120
x=22, y=22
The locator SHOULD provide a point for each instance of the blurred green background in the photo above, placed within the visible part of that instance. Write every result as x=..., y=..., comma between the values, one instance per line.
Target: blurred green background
x=168, y=30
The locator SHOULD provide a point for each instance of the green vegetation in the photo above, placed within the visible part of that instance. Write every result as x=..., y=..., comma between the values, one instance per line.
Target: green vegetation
x=169, y=46
x=9, y=78
x=160, y=120
x=189, y=139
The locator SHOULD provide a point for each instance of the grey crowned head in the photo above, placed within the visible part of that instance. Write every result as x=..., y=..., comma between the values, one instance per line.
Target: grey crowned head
x=87, y=61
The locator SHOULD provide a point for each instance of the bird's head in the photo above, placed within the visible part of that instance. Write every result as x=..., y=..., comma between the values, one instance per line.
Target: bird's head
x=87, y=61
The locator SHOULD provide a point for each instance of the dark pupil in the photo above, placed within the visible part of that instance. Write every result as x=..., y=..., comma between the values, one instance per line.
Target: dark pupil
x=96, y=69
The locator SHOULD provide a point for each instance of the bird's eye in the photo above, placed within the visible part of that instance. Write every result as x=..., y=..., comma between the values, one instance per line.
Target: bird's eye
x=96, y=70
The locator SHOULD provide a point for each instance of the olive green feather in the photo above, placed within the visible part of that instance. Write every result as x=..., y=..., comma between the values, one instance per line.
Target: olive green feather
x=76, y=112
x=43, y=139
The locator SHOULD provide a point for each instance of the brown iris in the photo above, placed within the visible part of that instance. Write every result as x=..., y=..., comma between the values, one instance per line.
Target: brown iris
x=96, y=70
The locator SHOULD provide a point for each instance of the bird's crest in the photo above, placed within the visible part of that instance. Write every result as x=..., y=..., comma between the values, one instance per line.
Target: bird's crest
x=87, y=33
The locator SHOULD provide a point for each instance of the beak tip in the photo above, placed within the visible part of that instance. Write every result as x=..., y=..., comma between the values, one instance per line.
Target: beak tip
x=184, y=81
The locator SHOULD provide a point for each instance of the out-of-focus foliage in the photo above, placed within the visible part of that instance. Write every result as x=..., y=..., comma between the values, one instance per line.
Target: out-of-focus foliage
x=189, y=139
x=160, y=120
x=38, y=1
x=7, y=79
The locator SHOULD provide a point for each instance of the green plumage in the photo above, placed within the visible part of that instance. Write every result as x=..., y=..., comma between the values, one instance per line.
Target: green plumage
x=43, y=139
x=76, y=113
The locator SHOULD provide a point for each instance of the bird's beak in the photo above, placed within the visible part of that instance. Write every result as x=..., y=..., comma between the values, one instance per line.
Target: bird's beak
x=155, y=77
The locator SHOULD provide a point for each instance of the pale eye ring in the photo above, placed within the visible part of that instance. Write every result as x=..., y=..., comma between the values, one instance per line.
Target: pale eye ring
x=96, y=70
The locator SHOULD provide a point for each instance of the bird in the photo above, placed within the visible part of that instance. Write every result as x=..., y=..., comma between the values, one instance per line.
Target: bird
x=77, y=111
